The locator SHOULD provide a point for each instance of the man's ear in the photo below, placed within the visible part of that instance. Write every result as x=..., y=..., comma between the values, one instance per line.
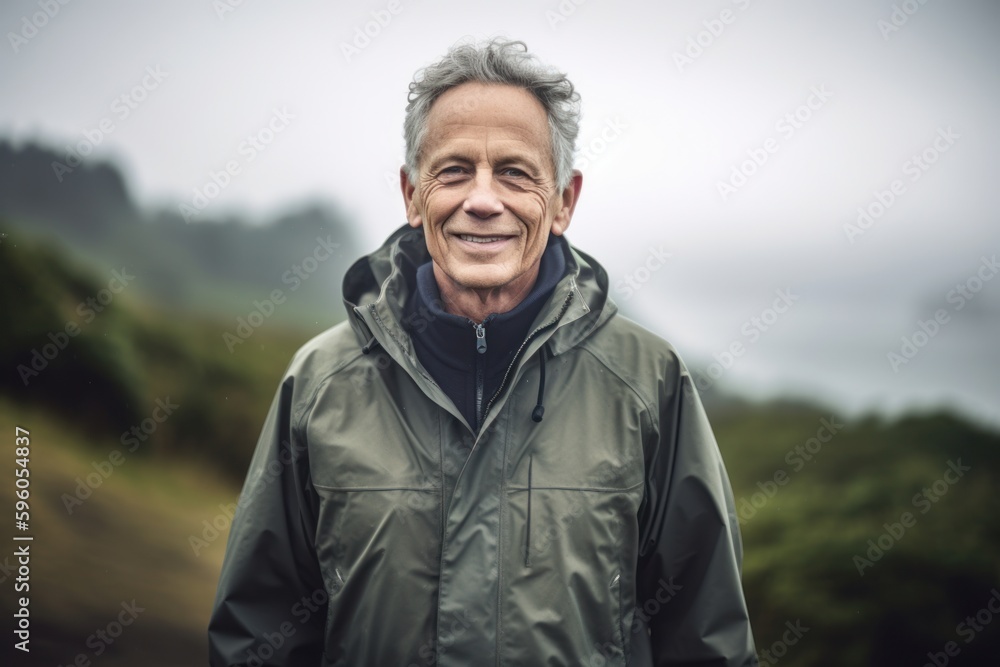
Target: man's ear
x=408, y=190
x=568, y=203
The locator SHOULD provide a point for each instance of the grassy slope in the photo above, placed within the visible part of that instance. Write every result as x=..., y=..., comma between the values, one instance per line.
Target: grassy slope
x=129, y=540
x=800, y=545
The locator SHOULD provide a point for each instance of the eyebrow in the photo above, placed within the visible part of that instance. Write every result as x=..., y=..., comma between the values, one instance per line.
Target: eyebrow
x=438, y=162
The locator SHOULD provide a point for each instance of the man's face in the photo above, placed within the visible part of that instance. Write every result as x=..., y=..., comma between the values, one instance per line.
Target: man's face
x=486, y=193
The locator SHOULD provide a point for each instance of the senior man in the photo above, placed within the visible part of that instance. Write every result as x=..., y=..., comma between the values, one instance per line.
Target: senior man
x=486, y=465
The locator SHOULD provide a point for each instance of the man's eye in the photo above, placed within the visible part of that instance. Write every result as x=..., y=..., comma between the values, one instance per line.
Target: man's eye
x=453, y=174
x=514, y=171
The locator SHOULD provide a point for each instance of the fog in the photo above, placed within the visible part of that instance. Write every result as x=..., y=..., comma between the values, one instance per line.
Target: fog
x=727, y=148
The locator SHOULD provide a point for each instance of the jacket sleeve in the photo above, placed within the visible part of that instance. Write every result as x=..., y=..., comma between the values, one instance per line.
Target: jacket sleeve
x=270, y=606
x=690, y=553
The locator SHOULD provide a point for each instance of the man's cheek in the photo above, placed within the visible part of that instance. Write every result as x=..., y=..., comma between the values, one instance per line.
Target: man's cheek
x=540, y=202
x=435, y=203
x=531, y=212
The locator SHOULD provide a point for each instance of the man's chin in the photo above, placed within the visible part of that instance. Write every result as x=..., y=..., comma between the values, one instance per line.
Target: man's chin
x=481, y=283
x=481, y=278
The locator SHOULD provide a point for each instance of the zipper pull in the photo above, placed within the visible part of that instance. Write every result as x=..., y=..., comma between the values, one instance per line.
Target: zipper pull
x=480, y=339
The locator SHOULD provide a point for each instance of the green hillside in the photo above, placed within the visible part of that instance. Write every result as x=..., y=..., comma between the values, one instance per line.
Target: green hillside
x=812, y=511
x=127, y=538
x=105, y=365
x=219, y=264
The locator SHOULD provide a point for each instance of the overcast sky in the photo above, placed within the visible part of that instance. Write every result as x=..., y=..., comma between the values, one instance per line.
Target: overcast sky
x=834, y=101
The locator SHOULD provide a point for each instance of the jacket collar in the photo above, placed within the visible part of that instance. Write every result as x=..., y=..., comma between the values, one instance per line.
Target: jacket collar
x=378, y=286
x=452, y=338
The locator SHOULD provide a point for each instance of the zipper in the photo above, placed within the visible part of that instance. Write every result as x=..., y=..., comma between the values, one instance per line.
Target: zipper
x=520, y=350
x=480, y=372
x=478, y=434
x=527, y=530
x=480, y=337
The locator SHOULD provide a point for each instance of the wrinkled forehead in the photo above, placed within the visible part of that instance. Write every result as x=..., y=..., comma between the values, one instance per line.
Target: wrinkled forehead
x=477, y=111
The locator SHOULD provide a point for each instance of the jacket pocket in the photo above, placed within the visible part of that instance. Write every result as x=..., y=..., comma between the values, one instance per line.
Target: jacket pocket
x=567, y=582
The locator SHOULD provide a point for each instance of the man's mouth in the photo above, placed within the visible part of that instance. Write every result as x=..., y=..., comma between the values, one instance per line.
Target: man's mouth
x=482, y=239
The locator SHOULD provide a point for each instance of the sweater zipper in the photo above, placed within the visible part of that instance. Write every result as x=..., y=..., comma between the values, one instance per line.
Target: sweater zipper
x=480, y=373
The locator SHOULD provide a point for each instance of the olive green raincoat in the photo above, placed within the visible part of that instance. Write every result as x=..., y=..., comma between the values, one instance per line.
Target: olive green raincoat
x=375, y=529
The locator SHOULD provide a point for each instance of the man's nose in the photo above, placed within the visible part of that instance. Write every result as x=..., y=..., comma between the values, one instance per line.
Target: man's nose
x=482, y=200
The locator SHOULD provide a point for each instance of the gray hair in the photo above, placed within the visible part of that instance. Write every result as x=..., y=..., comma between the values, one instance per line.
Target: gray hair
x=503, y=62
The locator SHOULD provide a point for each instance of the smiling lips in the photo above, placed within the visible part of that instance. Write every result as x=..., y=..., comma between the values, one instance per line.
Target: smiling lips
x=482, y=239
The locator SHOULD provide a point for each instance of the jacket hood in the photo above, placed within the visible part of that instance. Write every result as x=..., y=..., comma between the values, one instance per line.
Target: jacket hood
x=377, y=287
